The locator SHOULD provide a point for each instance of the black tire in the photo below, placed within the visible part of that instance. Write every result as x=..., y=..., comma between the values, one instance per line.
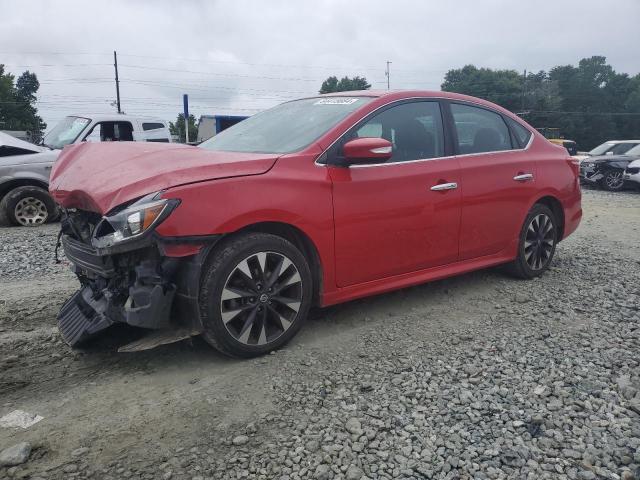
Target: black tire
x=40, y=203
x=525, y=265
x=613, y=180
x=258, y=319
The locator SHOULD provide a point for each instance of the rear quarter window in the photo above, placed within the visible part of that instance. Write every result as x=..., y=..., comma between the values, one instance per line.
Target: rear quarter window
x=521, y=133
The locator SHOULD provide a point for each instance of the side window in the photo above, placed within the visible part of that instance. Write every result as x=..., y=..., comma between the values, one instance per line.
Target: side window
x=522, y=134
x=414, y=129
x=110, y=132
x=151, y=126
x=479, y=130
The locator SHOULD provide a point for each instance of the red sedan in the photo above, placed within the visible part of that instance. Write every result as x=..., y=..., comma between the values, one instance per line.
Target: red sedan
x=313, y=202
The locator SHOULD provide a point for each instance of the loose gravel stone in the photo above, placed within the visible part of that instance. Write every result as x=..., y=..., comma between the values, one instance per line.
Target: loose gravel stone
x=240, y=440
x=15, y=455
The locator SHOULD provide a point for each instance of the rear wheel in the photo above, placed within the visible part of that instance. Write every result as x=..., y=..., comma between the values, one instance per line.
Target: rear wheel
x=613, y=180
x=28, y=206
x=255, y=295
x=537, y=245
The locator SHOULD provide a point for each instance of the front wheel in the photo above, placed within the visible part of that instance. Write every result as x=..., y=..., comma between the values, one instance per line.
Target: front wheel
x=537, y=245
x=28, y=206
x=613, y=180
x=255, y=294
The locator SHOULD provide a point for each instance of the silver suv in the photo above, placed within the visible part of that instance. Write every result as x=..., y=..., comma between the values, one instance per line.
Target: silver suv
x=25, y=168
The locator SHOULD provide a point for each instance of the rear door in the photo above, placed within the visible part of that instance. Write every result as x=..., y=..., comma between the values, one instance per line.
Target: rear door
x=497, y=178
x=394, y=217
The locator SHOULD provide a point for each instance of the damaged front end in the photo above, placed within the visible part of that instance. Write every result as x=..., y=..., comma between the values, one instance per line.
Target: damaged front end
x=126, y=277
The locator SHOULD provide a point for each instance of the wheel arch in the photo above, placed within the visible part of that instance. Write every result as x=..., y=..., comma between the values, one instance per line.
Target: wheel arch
x=556, y=207
x=9, y=185
x=297, y=237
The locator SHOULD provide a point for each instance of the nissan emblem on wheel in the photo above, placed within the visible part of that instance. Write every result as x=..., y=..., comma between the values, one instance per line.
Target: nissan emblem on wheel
x=314, y=202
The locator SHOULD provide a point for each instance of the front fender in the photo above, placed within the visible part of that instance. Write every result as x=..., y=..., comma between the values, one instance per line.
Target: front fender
x=295, y=192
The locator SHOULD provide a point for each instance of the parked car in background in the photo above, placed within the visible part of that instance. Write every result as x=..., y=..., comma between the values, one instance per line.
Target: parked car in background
x=632, y=173
x=25, y=168
x=611, y=147
x=608, y=170
x=314, y=202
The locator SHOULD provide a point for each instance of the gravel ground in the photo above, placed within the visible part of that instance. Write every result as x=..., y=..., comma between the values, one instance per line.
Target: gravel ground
x=479, y=376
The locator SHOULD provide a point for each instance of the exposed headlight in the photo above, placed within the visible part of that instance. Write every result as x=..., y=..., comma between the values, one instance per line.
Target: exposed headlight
x=133, y=221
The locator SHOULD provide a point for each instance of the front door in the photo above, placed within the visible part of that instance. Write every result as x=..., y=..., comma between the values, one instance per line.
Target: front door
x=402, y=215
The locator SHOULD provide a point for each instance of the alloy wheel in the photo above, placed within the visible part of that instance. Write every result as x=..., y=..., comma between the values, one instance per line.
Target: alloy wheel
x=539, y=241
x=31, y=211
x=261, y=298
x=614, y=180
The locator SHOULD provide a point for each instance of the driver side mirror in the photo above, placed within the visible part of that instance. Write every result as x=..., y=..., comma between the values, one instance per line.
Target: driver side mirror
x=366, y=149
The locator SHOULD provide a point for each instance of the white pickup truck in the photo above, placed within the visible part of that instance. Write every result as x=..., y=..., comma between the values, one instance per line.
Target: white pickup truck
x=25, y=168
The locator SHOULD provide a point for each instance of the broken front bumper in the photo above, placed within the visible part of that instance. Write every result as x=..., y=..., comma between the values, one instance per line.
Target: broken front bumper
x=139, y=287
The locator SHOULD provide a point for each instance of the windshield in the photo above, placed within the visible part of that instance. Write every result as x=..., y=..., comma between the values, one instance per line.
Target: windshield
x=65, y=132
x=612, y=148
x=287, y=128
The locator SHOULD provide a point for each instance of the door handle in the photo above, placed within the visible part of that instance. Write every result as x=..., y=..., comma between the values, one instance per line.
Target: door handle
x=523, y=177
x=444, y=186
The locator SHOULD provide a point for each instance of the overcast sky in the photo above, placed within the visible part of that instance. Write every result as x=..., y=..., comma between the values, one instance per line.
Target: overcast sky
x=238, y=57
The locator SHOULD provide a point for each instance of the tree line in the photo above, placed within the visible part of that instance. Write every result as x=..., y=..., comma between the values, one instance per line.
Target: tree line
x=17, y=104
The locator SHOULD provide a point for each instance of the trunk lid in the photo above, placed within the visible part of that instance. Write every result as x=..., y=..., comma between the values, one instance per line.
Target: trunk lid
x=100, y=176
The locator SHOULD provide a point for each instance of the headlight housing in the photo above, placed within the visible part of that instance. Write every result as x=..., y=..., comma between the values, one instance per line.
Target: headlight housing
x=133, y=221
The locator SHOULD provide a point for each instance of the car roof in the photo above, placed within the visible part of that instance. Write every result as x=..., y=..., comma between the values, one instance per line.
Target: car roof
x=114, y=117
x=391, y=95
x=403, y=94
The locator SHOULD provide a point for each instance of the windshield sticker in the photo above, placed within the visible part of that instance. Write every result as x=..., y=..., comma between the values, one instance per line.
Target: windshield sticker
x=336, y=101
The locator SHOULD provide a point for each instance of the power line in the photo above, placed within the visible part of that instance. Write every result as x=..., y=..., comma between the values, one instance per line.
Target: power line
x=226, y=62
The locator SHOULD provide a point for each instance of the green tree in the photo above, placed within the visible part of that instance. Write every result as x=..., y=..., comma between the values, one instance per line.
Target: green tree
x=503, y=87
x=345, y=84
x=17, y=104
x=179, y=130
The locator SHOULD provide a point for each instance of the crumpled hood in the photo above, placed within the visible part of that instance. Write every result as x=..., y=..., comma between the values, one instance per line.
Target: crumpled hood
x=100, y=176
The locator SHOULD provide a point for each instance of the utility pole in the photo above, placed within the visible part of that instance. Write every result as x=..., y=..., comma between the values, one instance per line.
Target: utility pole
x=388, y=74
x=115, y=64
x=185, y=104
x=524, y=88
